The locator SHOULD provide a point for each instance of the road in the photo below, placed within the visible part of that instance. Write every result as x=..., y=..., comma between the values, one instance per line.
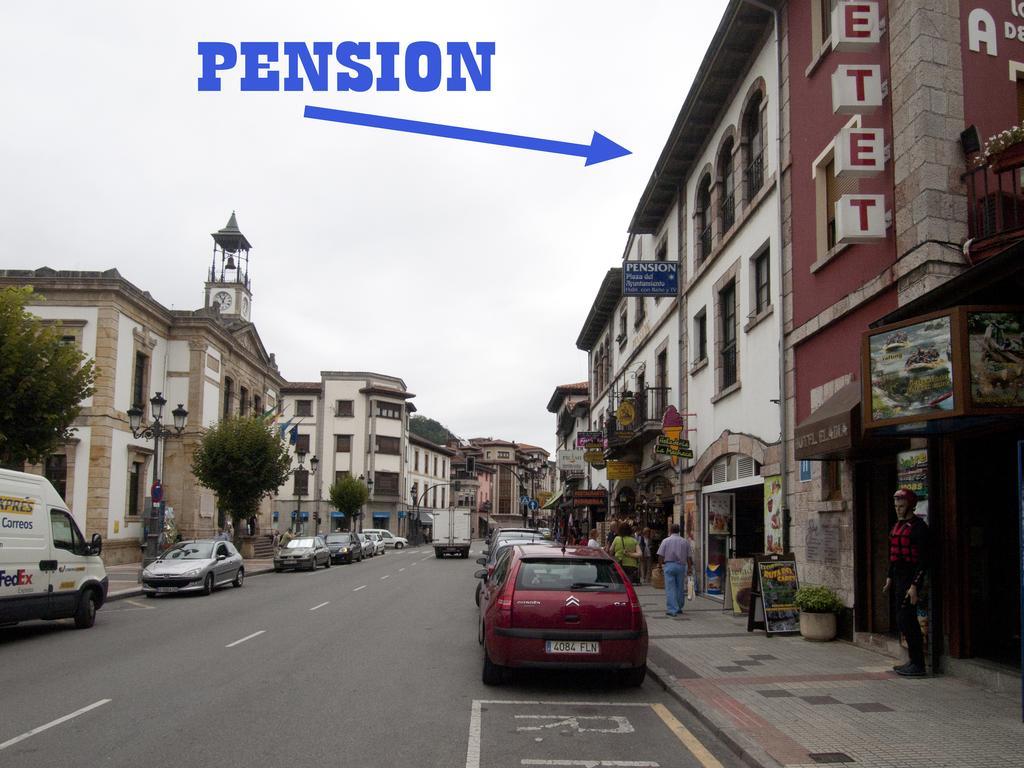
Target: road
x=372, y=664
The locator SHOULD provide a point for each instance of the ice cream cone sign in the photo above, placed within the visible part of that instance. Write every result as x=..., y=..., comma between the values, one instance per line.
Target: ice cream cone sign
x=672, y=426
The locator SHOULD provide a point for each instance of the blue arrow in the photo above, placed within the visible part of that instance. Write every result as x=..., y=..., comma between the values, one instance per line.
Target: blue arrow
x=598, y=150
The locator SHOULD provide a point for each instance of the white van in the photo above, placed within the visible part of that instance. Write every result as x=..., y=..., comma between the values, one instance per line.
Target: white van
x=47, y=569
x=390, y=540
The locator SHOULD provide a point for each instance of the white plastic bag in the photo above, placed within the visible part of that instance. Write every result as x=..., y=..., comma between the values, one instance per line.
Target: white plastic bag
x=689, y=588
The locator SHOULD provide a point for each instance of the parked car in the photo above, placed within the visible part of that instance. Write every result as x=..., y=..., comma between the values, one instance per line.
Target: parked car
x=369, y=545
x=303, y=552
x=344, y=547
x=199, y=565
x=489, y=561
x=547, y=607
x=379, y=547
x=390, y=540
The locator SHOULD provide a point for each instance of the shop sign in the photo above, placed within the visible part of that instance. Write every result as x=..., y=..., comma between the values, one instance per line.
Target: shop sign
x=625, y=414
x=860, y=152
x=571, y=460
x=996, y=348
x=675, y=450
x=860, y=218
x=650, y=278
x=621, y=470
x=856, y=26
x=594, y=454
x=856, y=89
x=773, y=515
x=583, y=439
x=590, y=498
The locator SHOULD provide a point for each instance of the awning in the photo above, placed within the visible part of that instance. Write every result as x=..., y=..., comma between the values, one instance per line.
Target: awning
x=553, y=501
x=336, y=513
x=426, y=518
x=833, y=430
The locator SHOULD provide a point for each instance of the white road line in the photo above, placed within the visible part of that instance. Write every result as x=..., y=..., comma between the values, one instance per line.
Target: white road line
x=388, y=576
x=152, y=608
x=58, y=721
x=569, y=703
x=320, y=606
x=595, y=763
x=358, y=588
x=473, y=750
x=401, y=569
x=247, y=637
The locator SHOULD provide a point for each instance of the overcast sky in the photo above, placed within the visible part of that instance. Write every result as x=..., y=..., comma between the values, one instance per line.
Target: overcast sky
x=465, y=269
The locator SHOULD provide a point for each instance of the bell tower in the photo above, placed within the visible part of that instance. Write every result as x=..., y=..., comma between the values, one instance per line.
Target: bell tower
x=228, y=281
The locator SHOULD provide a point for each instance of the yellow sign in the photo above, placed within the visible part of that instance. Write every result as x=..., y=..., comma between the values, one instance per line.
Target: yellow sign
x=117, y=526
x=621, y=470
x=625, y=414
x=12, y=505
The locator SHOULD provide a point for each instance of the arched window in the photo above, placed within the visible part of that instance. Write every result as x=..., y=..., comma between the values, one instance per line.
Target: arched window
x=727, y=201
x=753, y=140
x=702, y=219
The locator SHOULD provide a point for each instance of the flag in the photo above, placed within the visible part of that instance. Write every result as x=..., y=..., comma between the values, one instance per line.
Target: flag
x=283, y=428
x=293, y=434
x=269, y=416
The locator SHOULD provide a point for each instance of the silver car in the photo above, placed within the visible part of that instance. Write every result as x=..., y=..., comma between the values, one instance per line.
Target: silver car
x=379, y=547
x=199, y=565
x=304, y=552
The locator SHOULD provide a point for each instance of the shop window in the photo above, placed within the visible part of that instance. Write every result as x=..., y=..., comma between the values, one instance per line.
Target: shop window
x=831, y=481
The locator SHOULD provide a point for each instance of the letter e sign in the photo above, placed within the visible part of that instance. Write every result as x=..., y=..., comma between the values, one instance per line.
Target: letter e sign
x=860, y=218
x=856, y=26
x=860, y=152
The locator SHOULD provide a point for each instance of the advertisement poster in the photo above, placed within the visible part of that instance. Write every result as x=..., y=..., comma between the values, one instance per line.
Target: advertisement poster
x=741, y=574
x=778, y=583
x=713, y=576
x=773, y=515
x=997, y=358
x=912, y=473
x=690, y=514
x=719, y=514
x=911, y=370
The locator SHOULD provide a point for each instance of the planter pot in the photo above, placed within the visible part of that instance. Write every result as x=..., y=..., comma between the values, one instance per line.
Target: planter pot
x=818, y=627
x=1011, y=157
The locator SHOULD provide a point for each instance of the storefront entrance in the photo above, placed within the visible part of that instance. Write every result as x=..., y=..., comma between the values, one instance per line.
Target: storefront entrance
x=734, y=527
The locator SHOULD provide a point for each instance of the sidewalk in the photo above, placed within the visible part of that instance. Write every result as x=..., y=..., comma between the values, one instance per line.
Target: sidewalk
x=124, y=579
x=783, y=701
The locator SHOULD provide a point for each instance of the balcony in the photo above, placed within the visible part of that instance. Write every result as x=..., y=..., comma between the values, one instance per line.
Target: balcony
x=728, y=211
x=755, y=176
x=650, y=405
x=995, y=208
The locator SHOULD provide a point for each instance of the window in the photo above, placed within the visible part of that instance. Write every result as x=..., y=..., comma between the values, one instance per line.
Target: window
x=753, y=137
x=303, y=407
x=135, y=486
x=415, y=493
x=343, y=408
x=302, y=444
x=727, y=335
x=444, y=467
x=301, y=487
x=661, y=254
x=343, y=443
x=822, y=9
x=389, y=410
x=385, y=484
x=702, y=219
x=65, y=532
x=443, y=505
x=435, y=466
x=661, y=383
x=243, y=401
x=340, y=474
x=390, y=445
x=139, y=380
x=504, y=455
x=638, y=311
x=621, y=338
x=257, y=405
x=416, y=465
x=727, y=180
x=56, y=471
x=700, y=336
x=433, y=496
x=762, y=282
x=229, y=395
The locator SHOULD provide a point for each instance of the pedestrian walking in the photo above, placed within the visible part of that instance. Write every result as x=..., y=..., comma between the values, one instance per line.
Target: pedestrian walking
x=625, y=550
x=908, y=564
x=275, y=538
x=645, y=550
x=677, y=555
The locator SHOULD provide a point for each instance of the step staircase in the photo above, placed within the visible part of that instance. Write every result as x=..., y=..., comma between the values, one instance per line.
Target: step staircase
x=263, y=547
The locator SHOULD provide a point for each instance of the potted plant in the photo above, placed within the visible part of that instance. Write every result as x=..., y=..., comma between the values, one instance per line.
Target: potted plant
x=818, y=608
x=1005, y=150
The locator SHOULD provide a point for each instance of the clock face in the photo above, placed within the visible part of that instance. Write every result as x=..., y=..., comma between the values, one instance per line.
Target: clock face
x=224, y=298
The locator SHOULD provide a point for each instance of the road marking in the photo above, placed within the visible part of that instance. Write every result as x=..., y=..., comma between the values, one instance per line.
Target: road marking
x=140, y=605
x=401, y=569
x=595, y=763
x=247, y=637
x=320, y=606
x=58, y=721
x=690, y=741
x=358, y=588
x=622, y=725
x=473, y=750
x=388, y=576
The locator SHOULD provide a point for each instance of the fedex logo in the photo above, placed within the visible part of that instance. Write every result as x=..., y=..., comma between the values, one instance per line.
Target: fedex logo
x=20, y=578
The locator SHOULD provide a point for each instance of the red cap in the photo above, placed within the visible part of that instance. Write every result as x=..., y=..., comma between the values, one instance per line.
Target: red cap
x=906, y=493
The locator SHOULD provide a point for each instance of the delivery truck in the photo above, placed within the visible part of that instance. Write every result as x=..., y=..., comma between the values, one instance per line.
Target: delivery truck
x=452, y=528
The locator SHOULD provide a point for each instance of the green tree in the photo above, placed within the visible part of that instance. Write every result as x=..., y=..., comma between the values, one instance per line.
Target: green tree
x=242, y=460
x=428, y=429
x=348, y=496
x=42, y=382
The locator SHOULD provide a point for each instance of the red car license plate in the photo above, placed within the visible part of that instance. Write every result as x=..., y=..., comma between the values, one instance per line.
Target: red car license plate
x=572, y=646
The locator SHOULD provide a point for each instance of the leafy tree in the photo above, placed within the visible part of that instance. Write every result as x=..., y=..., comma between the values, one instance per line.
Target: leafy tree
x=429, y=429
x=348, y=496
x=42, y=382
x=241, y=460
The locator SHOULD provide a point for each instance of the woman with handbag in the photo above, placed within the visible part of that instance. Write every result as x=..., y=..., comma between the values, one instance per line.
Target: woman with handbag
x=626, y=551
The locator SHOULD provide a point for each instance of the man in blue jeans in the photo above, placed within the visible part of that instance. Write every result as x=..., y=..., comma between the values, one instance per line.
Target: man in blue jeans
x=677, y=555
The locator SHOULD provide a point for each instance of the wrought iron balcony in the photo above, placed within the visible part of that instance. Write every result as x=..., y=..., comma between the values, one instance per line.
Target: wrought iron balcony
x=755, y=175
x=995, y=208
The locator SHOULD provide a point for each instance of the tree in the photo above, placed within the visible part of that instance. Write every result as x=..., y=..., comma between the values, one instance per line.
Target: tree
x=242, y=460
x=42, y=382
x=429, y=429
x=348, y=496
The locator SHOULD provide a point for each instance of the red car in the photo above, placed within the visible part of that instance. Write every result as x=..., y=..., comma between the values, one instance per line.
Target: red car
x=573, y=608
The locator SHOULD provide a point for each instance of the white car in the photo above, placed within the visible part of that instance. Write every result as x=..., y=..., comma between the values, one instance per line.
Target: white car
x=369, y=545
x=390, y=540
x=378, y=542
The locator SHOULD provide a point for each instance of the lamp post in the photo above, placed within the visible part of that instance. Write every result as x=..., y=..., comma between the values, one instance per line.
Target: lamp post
x=155, y=431
x=314, y=462
x=369, y=491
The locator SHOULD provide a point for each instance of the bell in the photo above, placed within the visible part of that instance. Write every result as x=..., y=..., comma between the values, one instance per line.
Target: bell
x=231, y=262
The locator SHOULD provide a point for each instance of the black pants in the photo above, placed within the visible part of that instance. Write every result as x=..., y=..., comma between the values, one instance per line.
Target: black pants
x=906, y=620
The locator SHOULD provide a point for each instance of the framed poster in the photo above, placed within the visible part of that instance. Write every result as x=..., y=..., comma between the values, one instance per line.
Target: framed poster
x=773, y=515
x=773, y=594
x=995, y=343
x=741, y=575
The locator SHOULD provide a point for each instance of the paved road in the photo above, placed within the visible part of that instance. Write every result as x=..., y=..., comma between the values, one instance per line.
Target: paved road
x=370, y=664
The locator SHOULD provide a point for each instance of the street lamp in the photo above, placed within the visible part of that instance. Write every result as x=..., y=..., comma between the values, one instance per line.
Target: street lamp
x=156, y=431
x=314, y=462
x=369, y=492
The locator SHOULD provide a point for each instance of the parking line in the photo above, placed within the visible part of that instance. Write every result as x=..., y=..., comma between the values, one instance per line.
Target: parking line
x=401, y=569
x=58, y=721
x=320, y=606
x=595, y=763
x=247, y=637
x=140, y=605
x=388, y=576
x=690, y=741
x=358, y=588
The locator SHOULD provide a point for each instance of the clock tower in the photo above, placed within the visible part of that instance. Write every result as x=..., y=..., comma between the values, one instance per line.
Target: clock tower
x=227, y=284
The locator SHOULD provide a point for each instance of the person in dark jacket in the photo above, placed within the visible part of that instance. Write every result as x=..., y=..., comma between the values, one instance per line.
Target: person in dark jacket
x=908, y=565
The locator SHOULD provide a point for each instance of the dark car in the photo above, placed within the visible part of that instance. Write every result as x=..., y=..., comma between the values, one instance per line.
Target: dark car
x=344, y=547
x=549, y=607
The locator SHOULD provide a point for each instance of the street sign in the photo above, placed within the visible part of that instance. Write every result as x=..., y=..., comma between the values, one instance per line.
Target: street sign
x=650, y=278
x=669, y=442
x=668, y=450
x=533, y=504
x=524, y=500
